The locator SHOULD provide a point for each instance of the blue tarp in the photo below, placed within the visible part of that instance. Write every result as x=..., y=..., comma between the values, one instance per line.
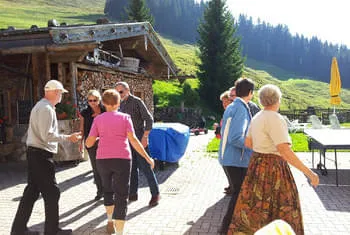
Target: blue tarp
x=168, y=141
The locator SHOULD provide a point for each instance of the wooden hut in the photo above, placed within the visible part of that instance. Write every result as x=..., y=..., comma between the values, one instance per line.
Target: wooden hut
x=82, y=57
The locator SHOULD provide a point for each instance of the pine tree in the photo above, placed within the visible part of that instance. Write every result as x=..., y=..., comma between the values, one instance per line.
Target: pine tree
x=221, y=63
x=137, y=11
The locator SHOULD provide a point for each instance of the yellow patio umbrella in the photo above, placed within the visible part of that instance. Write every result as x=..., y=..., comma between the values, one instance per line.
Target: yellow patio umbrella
x=335, y=83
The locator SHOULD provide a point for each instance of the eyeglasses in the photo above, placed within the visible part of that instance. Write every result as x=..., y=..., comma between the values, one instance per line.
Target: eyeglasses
x=92, y=100
x=120, y=92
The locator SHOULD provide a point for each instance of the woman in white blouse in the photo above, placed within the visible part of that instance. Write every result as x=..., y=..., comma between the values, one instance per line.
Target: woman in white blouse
x=269, y=191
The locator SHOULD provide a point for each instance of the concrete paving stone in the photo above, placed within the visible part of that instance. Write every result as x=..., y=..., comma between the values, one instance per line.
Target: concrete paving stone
x=192, y=199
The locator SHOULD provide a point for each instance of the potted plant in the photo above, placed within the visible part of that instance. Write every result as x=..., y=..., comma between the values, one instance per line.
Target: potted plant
x=66, y=110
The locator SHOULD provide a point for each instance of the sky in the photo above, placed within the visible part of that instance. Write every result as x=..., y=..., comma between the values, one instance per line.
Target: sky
x=328, y=20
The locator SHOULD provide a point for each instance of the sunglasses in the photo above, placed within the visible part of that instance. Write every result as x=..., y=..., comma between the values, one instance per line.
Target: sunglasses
x=92, y=100
x=120, y=92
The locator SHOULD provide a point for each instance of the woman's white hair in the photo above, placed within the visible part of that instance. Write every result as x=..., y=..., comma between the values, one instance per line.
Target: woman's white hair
x=269, y=95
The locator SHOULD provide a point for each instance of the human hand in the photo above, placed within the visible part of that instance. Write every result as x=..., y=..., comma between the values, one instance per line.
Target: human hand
x=151, y=162
x=75, y=137
x=314, y=180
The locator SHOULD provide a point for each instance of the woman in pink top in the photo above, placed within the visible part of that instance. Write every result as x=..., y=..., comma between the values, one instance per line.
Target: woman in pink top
x=114, y=131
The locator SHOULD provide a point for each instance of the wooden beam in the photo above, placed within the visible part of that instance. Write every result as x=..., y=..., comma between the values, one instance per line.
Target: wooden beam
x=66, y=57
x=41, y=74
x=50, y=48
x=73, y=81
x=60, y=72
x=23, y=50
x=70, y=48
x=9, y=107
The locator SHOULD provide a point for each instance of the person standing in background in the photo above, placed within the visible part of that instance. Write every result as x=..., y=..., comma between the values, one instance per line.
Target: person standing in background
x=42, y=144
x=226, y=101
x=87, y=116
x=142, y=121
x=233, y=155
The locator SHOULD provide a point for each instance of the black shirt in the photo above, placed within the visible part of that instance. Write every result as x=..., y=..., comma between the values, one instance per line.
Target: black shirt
x=141, y=118
x=88, y=118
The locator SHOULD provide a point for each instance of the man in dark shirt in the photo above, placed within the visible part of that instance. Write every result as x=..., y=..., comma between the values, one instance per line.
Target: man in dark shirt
x=142, y=121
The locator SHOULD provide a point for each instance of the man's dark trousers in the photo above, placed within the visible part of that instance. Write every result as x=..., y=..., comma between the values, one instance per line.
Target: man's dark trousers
x=41, y=179
x=236, y=177
x=138, y=162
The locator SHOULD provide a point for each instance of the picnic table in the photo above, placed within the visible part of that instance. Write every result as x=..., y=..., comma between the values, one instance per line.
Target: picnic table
x=324, y=139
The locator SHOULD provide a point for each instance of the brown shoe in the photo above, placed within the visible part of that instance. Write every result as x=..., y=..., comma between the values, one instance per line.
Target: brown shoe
x=133, y=198
x=154, y=201
x=110, y=227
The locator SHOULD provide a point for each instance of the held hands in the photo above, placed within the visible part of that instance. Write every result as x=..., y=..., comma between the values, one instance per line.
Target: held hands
x=75, y=137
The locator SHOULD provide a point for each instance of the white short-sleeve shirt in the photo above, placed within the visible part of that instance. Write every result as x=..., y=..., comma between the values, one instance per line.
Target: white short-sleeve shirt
x=267, y=130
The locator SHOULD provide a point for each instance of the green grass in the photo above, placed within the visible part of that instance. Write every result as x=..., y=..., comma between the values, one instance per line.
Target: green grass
x=24, y=13
x=213, y=145
x=183, y=54
x=299, y=141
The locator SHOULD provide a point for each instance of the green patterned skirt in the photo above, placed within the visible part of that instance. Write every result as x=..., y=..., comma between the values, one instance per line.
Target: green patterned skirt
x=267, y=193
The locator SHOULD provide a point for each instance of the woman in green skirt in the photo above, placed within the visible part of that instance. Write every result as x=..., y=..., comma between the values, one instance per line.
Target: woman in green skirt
x=269, y=191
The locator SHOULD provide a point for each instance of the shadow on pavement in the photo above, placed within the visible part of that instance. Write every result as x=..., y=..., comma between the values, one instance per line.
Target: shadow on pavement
x=76, y=180
x=15, y=173
x=210, y=222
x=332, y=197
x=163, y=172
x=137, y=212
x=12, y=173
x=86, y=206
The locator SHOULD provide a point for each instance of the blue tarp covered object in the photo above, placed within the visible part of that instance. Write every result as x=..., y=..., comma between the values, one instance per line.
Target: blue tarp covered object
x=168, y=141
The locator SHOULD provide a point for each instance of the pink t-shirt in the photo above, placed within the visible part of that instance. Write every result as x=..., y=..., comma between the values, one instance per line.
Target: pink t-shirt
x=112, y=128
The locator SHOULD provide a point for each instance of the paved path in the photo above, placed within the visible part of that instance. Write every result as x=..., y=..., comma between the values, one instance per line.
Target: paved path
x=192, y=201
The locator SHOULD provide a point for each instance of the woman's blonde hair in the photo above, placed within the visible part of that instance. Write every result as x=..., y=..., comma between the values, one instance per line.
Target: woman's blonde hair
x=95, y=93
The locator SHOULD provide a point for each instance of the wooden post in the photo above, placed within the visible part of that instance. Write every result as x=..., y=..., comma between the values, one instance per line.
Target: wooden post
x=60, y=72
x=73, y=81
x=41, y=74
x=9, y=106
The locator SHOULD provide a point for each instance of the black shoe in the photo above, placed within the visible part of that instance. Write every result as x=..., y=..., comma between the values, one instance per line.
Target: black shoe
x=222, y=231
x=98, y=197
x=154, y=201
x=133, y=198
x=26, y=232
x=64, y=232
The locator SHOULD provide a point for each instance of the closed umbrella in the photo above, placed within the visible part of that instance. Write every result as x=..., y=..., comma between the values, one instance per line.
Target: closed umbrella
x=335, y=84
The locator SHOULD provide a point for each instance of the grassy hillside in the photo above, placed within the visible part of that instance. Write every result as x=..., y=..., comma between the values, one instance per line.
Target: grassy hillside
x=24, y=13
x=298, y=92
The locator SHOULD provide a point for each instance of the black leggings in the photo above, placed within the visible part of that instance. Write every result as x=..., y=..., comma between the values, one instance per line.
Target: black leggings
x=115, y=175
